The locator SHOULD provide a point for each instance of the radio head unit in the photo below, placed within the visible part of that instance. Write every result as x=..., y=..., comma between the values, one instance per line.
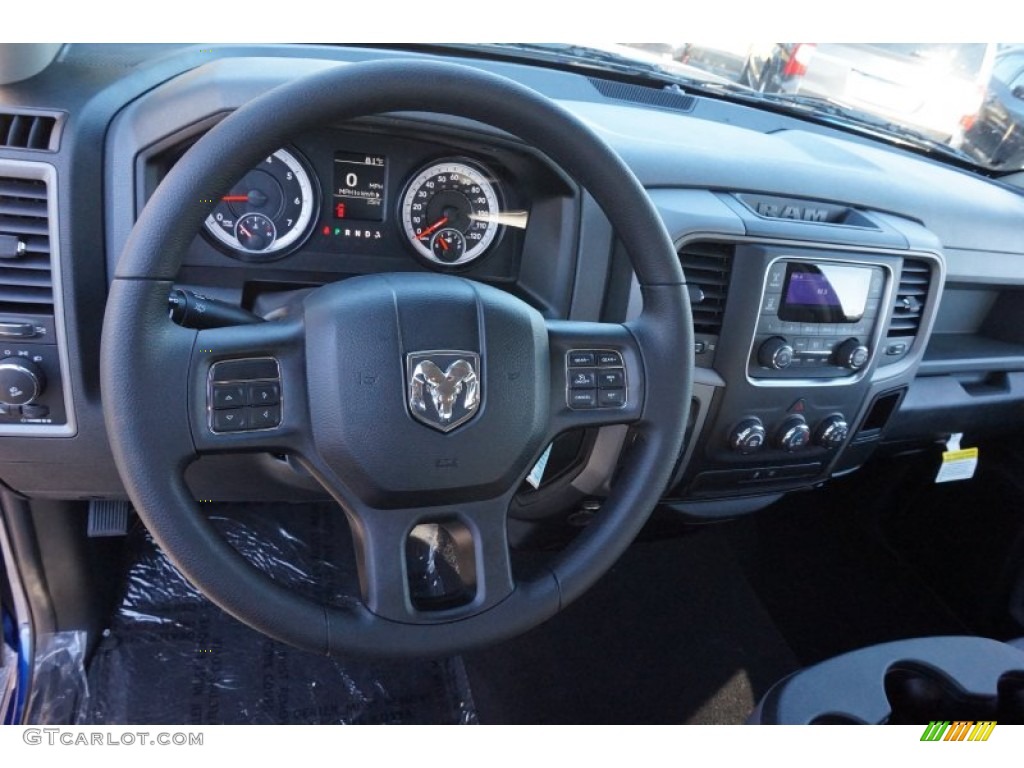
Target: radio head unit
x=817, y=318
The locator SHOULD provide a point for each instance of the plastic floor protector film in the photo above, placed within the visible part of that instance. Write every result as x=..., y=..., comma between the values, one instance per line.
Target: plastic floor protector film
x=172, y=657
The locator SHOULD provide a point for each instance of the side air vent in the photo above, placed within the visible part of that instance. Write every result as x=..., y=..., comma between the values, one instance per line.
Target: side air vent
x=666, y=98
x=29, y=131
x=706, y=266
x=910, y=298
x=26, y=285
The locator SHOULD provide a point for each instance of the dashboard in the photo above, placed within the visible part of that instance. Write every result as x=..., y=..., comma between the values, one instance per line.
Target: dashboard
x=849, y=297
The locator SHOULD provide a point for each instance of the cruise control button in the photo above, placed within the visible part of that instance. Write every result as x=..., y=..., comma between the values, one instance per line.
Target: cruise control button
x=611, y=397
x=264, y=393
x=264, y=417
x=609, y=359
x=230, y=421
x=581, y=359
x=228, y=395
x=611, y=379
x=582, y=379
x=583, y=398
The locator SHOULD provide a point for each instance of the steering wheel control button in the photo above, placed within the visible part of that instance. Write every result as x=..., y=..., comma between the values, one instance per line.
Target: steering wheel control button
x=245, y=370
x=601, y=387
x=611, y=398
x=748, y=436
x=583, y=380
x=264, y=393
x=264, y=417
x=228, y=395
x=233, y=420
x=234, y=384
x=581, y=359
x=794, y=434
x=583, y=398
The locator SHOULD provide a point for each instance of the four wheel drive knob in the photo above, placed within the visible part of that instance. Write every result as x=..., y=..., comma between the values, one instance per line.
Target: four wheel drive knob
x=21, y=381
x=775, y=353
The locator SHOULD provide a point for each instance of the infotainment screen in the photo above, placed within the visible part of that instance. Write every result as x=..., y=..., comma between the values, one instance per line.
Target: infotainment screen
x=824, y=293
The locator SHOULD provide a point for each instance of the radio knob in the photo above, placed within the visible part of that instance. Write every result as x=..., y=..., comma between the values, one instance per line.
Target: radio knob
x=21, y=381
x=794, y=434
x=832, y=432
x=775, y=353
x=852, y=354
x=748, y=436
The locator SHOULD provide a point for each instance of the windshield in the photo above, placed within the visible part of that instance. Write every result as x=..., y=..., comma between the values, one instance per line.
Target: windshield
x=962, y=101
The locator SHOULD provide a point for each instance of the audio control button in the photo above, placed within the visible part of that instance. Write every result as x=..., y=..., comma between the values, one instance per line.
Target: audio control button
x=775, y=353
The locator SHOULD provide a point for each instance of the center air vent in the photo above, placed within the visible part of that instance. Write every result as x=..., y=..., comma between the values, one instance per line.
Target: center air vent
x=915, y=278
x=26, y=285
x=706, y=266
x=29, y=130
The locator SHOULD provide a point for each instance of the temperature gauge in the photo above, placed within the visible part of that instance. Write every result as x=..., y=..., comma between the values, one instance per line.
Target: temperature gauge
x=448, y=245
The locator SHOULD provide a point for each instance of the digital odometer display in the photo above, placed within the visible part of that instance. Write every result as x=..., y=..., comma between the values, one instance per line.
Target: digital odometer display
x=360, y=186
x=825, y=293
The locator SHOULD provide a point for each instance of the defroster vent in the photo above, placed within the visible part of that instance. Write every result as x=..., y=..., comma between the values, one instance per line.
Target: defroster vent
x=26, y=281
x=706, y=266
x=915, y=278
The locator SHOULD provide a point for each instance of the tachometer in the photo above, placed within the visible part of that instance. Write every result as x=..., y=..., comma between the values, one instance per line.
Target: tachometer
x=269, y=212
x=450, y=212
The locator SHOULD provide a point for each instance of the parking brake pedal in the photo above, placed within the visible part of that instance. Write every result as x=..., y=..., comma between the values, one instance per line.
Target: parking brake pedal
x=108, y=518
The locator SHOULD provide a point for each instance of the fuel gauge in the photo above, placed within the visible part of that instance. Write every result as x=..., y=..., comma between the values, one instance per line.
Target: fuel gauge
x=448, y=245
x=255, y=232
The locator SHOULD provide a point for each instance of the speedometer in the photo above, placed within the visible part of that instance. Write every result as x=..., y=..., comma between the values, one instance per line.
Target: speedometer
x=450, y=212
x=269, y=213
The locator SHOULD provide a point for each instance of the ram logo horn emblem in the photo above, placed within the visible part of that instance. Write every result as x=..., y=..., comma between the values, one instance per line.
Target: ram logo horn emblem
x=444, y=387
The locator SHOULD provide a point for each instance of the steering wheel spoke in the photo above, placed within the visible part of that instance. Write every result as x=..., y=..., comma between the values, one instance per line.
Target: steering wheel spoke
x=247, y=388
x=597, y=375
x=428, y=565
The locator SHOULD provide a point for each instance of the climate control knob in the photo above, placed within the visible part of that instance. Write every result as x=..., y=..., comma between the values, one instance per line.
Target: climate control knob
x=775, y=353
x=852, y=354
x=748, y=436
x=21, y=381
x=832, y=432
x=794, y=434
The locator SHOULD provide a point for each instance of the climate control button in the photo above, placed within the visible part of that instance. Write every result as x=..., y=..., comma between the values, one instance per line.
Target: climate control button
x=832, y=432
x=748, y=436
x=793, y=434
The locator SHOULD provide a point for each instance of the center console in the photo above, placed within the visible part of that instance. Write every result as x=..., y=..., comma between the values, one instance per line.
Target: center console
x=794, y=358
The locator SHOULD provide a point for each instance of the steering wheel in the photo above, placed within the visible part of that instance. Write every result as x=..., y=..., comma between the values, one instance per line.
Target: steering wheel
x=346, y=370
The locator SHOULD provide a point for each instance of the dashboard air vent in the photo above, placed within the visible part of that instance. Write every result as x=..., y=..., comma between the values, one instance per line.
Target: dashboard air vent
x=667, y=98
x=26, y=285
x=915, y=278
x=28, y=131
x=706, y=266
